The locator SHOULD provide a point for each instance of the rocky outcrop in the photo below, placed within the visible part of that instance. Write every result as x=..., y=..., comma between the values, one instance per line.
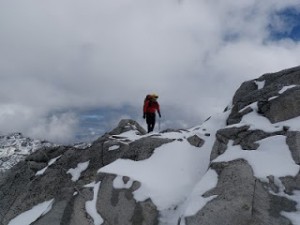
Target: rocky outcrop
x=241, y=197
x=277, y=96
x=284, y=107
x=128, y=125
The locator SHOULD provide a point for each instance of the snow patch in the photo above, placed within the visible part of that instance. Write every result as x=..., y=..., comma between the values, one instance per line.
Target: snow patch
x=294, y=217
x=259, y=122
x=28, y=217
x=293, y=124
x=90, y=206
x=285, y=88
x=272, y=98
x=213, y=124
x=75, y=173
x=272, y=150
x=169, y=181
x=196, y=201
x=131, y=135
x=174, y=135
x=113, y=147
x=252, y=106
x=260, y=84
x=42, y=171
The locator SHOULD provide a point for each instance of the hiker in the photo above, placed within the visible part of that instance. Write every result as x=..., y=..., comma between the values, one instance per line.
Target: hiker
x=150, y=107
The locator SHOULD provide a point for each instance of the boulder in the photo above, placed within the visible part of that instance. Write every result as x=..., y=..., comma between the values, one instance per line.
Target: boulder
x=284, y=107
x=196, y=141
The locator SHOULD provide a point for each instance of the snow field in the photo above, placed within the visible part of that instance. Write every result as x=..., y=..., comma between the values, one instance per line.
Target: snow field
x=271, y=158
x=176, y=174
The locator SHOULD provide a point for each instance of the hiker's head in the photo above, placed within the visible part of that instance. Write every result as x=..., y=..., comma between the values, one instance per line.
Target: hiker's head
x=154, y=97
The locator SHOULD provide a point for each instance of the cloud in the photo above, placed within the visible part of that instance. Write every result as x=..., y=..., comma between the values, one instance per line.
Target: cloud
x=72, y=56
x=57, y=128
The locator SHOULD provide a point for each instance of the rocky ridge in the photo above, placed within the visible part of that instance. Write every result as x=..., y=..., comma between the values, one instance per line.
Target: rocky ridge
x=15, y=147
x=238, y=168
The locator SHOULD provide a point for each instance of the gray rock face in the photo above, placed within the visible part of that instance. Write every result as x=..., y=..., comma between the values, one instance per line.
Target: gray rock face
x=241, y=199
x=236, y=178
x=284, y=107
x=293, y=141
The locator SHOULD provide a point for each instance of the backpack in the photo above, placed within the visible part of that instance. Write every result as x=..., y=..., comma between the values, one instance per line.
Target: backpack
x=148, y=97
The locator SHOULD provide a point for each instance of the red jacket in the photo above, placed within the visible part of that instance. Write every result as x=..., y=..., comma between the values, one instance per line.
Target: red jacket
x=151, y=107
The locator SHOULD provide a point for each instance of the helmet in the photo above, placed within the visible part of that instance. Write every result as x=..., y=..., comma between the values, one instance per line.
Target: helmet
x=154, y=96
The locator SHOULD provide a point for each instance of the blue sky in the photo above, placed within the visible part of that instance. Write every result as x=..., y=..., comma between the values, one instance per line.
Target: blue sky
x=70, y=70
x=290, y=28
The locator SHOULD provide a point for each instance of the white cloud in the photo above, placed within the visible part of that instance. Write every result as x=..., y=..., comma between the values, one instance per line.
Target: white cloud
x=61, y=55
x=57, y=128
x=14, y=117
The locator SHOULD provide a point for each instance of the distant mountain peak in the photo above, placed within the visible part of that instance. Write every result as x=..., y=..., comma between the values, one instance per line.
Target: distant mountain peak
x=14, y=147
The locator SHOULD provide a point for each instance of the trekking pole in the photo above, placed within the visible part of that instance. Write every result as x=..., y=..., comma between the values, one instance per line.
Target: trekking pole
x=159, y=124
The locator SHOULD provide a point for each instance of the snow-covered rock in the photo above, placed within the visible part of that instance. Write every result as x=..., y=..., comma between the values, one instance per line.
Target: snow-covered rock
x=277, y=99
x=15, y=147
x=238, y=167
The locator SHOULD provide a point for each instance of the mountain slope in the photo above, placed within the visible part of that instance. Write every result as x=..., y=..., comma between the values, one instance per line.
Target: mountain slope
x=238, y=167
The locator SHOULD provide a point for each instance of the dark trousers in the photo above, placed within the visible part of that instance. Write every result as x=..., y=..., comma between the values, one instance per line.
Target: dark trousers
x=150, y=120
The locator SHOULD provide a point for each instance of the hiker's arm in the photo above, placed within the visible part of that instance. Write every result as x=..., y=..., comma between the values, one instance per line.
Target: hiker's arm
x=158, y=110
